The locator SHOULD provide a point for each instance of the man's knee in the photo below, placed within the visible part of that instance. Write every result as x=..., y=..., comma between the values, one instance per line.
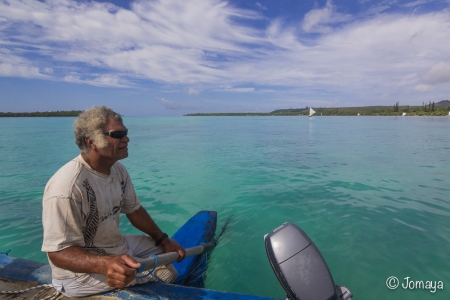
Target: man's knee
x=173, y=274
x=167, y=273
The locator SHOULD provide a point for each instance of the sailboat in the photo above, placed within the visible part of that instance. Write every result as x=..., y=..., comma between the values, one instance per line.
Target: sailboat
x=311, y=112
x=404, y=114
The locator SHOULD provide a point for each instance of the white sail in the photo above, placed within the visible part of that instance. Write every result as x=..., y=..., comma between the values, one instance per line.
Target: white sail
x=404, y=114
x=311, y=112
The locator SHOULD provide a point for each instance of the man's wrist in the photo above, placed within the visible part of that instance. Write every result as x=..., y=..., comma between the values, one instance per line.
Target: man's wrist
x=161, y=239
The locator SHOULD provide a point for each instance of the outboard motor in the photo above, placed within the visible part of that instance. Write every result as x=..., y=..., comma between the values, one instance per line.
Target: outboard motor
x=299, y=266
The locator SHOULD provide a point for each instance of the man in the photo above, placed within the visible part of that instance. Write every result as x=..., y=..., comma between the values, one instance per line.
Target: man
x=81, y=207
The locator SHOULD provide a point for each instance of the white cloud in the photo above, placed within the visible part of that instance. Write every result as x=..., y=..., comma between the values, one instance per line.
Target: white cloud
x=416, y=3
x=282, y=36
x=439, y=73
x=104, y=80
x=172, y=105
x=12, y=65
x=320, y=20
x=193, y=92
x=260, y=6
x=422, y=88
x=240, y=90
x=14, y=70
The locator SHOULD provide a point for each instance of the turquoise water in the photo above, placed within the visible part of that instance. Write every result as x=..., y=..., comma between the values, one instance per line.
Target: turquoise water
x=371, y=192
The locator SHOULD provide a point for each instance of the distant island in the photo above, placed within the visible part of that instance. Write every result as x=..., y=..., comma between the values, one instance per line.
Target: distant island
x=440, y=108
x=72, y=113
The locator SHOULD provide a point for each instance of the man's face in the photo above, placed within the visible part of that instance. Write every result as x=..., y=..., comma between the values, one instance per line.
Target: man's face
x=117, y=148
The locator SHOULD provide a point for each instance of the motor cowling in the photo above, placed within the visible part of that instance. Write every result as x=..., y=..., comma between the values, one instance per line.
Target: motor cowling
x=299, y=266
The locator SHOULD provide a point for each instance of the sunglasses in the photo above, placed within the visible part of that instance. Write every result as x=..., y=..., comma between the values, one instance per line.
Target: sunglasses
x=116, y=134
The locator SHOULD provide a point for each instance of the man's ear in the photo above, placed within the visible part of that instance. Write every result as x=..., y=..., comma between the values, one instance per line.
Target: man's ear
x=90, y=144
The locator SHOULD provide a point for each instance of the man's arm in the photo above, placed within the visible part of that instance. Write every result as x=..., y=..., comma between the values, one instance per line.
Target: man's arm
x=119, y=270
x=142, y=221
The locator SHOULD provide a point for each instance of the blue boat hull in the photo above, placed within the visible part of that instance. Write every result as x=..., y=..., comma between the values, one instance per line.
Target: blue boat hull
x=200, y=229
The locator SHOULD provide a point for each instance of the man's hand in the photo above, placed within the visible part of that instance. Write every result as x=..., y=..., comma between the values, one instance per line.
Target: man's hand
x=142, y=221
x=121, y=270
x=170, y=245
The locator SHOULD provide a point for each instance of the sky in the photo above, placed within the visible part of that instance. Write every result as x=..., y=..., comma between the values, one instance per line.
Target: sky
x=173, y=57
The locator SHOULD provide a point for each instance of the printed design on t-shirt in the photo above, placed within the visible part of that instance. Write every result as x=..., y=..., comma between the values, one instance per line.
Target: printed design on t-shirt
x=116, y=208
x=123, y=186
x=91, y=221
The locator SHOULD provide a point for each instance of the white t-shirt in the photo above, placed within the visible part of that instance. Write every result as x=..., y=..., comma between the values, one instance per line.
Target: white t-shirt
x=81, y=207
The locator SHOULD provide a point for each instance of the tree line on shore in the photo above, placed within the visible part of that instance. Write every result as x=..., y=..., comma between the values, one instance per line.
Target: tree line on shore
x=71, y=113
x=441, y=108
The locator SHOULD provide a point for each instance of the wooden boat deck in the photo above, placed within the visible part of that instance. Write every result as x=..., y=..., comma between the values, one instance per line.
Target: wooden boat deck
x=8, y=285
